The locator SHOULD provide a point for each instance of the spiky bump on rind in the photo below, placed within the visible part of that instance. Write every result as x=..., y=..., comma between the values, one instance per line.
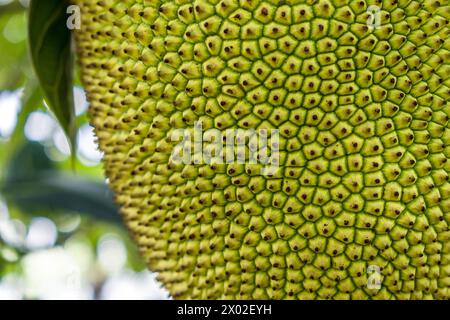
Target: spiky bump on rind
x=363, y=113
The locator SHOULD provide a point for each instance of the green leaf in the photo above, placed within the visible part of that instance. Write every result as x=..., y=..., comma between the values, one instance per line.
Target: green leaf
x=52, y=58
x=26, y=161
x=52, y=190
x=34, y=185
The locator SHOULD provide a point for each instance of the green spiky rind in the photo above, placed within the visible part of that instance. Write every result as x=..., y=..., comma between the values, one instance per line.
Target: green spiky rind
x=364, y=120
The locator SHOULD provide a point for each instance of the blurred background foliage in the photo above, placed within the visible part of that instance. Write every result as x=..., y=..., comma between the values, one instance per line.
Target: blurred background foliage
x=61, y=235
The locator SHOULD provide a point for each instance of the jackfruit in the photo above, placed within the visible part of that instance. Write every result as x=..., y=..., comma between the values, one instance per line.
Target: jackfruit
x=358, y=91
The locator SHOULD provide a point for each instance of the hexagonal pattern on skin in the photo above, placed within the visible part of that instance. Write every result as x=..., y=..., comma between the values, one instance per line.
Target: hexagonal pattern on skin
x=363, y=116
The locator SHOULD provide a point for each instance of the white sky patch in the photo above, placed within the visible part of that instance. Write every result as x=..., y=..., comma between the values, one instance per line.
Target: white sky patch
x=42, y=233
x=39, y=126
x=4, y=212
x=81, y=250
x=54, y=274
x=60, y=142
x=9, y=108
x=111, y=253
x=81, y=103
x=133, y=286
x=87, y=146
x=11, y=287
x=13, y=232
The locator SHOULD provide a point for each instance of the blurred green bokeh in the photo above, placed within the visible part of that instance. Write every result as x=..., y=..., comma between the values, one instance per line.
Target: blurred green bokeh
x=61, y=235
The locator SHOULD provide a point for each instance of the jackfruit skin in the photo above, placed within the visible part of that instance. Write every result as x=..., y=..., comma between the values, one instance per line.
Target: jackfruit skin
x=365, y=139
